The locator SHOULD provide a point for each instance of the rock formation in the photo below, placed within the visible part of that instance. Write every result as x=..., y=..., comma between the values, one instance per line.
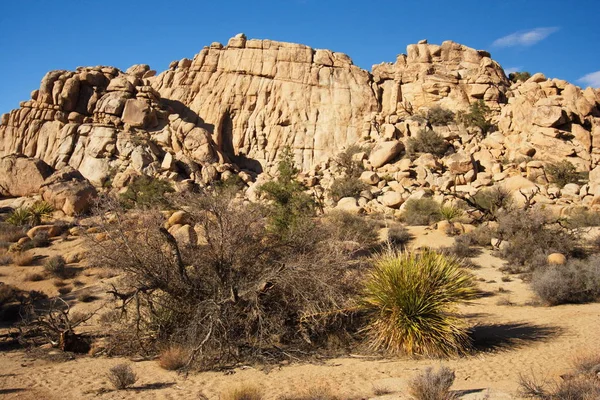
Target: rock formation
x=232, y=109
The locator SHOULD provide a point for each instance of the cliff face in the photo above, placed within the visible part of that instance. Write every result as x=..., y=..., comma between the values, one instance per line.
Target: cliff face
x=235, y=107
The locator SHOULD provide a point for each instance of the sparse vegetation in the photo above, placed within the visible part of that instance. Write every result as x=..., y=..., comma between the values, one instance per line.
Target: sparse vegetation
x=426, y=141
x=122, y=376
x=425, y=211
x=173, y=358
x=410, y=299
x=491, y=200
x=519, y=76
x=30, y=216
x=56, y=266
x=433, y=385
x=23, y=259
x=561, y=173
x=350, y=227
x=439, y=116
x=462, y=246
x=245, y=392
x=450, y=213
x=146, y=192
x=321, y=392
x=349, y=186
x=398, y=236
x=11, y=233
x=576, y=282
x=478, y=116
x=583, y=218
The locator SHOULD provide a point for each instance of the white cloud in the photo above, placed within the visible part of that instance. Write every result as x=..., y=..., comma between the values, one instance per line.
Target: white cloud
x=525, y=38
x=592, y=79
x=513, y=69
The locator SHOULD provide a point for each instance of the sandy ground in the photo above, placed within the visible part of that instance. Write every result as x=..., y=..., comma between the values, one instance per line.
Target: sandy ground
x=513, y=336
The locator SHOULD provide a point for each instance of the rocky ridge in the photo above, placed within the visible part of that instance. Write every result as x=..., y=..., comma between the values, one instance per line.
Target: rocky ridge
x=232, y=109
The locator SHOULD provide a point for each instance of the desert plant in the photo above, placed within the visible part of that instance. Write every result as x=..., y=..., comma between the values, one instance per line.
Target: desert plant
x=426, y=141
x=34, y=277
x=321, y=392
x=5, y=259
x=439, y=116
x=433, y=385
x=450, y=213
x=11, y=233
x=346, y=161
x=65, y=290
x=86, y=297
x=23, y=259
x=583, y=218
x=491, y=200
x=425, y=211
x=146, y=192
x=561, y=173
x=477, y=116
x=121, y=376
x=576, y=282
x=519, y=76
x=19, y=217
x=173, y=358
x=41, y=239
x=398, y=236
x=411, y=299
x=350, y=227
x=56, y=266
x=481, y=235
x=347, y=186
x=462, y=247
x=40, y=210
x=244, y=392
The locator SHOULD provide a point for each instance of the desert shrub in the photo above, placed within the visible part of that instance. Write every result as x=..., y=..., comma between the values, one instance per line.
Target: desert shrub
x=462, y=247
x=426, y=141
x=519, y=76
x=491, y=200
x=531, y=235
x=425, y=211
x=291, y=205
x=576, y=282
x=19, y=217
x=41, y=239
x=56, y=266
x=34, y=277
x=121, y=376
x=411, y=299
x=11, y=233
x=23, y=259
x=146, y=192
x=65, y=290
x=347, y=186
x=244, y=289
x=355, y=228
x=561, y=173
x=439, y=116
x=321, y=392
x=433, y=385
x=40, y=210
x=398, y=236
x=450, y=213
x=582, y=218
x=477, y=116
x=245, y=392
x=173, y=358
x=346, y=161
x=481, y=235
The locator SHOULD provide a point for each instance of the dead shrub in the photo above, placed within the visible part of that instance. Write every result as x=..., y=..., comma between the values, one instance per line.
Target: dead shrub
x=433, y=385
x=583, y=218
x=244, y=290
x=121, y=376
x=173, y=358
x=245, y=392
x=576, y=282
x=23, y=259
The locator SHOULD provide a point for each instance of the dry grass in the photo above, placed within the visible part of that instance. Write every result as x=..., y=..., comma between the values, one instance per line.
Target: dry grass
x=244, y=392
x=23, y=259
x=433, y=385
x=173, y=358
x=34, y=277
x=321, y=392
x=121, y=376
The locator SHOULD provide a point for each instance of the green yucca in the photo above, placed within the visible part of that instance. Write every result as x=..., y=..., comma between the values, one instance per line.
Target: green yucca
x=19, y=216
x=40, y=210
x=412, y=299
x=450, y=213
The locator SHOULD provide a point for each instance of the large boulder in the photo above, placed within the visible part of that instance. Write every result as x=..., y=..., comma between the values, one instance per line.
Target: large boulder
x=22, y=176
x=69, y=191
x=385, y=152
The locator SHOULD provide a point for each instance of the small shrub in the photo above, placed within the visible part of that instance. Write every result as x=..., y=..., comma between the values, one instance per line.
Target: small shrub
x=65, y=290
x=41, y=239
x=477, y=116
x=450, y=213
x=519, y=76
x=561, y=173
x=492, y=200
x=426, y=141
x=57, y=266
x=433, y=385
x=19, y=217
x=423, y=211
x=462, y=247
x=583, y=218
x=410, y=298
x=34, y=277
x=439, y=116
x=5, y=259
x=58, y=283
x=146, y=192
x=349, y=186
x=346, y=161
x=23, y=259
x=40, y=210
x=480, y=236
x=121, y=376
x=321, y=392
x=576, y=282
x=246, y=392
x=173, y=358
x=350, y=227
x=399, y=236
x=10, y=233
x=381, y=390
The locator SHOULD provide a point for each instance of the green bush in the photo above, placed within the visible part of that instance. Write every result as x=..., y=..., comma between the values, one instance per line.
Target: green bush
x=492, y=200
x=423, y=211
x=146, y=192
x=576, y=282
x=19, y=217
x=348, y=186
x=478, y=116
x=450, y=213
x=426, y=141
x=346, y=162
x=56, y=266
x=439, y=116
x=411, y=299
x=40, y=210
x=519, y=76
x=561, y=173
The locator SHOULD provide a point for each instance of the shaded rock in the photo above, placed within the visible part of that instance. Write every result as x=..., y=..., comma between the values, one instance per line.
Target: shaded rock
x=22, y=176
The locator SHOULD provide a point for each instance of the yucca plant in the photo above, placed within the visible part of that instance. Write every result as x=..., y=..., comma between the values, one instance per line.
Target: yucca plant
x=19, y=216
x=40, y=210
x=412, y=298
x=450, y=213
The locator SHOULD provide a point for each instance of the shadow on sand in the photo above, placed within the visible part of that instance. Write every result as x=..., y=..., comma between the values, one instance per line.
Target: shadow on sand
x=497, y=337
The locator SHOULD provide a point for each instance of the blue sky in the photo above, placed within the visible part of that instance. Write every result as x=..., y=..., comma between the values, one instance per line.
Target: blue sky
x=557, y=37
